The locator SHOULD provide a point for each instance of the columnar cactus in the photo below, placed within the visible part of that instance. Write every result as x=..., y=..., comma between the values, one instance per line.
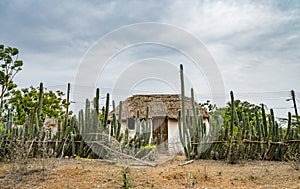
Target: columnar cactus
x=232, y=114
x=257, y=126
x=288, y=131
x=265, y=125
x=39, y=110
x=97, y=98
x=183, y=131
x=105, y=120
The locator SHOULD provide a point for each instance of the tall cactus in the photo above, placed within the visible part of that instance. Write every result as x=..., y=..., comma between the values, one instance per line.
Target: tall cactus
x=232, y=150
x=81, y=121
x=257, y=126
x=137, y=139
x=39, y=110
x=119, y=119
x=87, y=116
x=272, y=128
x=288, y=131
x=184, y=135
x=232, y=115
x=146, y=128
x=114, y=124
x=265, y=125
x=244, y=126
x=97, y=98
x=195, y=126
x=9, y=122
x=58, y=133
x=126, y=137
x=26, y=128
x=115, y=129
x=105, y=120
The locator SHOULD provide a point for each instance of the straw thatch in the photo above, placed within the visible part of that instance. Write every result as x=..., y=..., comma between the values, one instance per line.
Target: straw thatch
x=160, y=105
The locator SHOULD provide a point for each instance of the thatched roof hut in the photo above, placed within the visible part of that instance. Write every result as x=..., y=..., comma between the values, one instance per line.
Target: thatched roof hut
x=160, y=105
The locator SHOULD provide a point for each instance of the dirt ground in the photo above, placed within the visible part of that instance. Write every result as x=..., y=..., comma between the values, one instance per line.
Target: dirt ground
x=84, y=173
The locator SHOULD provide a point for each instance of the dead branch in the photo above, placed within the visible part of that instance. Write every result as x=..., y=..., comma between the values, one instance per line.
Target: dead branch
x=186, y=163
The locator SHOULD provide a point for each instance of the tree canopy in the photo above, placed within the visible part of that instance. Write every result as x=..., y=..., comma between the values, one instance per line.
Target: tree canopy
x=25, y=102
x=10, y=65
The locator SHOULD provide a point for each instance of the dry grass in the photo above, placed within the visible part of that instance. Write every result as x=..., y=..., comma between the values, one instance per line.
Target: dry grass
x=71, y=173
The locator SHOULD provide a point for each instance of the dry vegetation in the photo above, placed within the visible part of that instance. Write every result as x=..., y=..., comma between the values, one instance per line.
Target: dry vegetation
x=86, y=173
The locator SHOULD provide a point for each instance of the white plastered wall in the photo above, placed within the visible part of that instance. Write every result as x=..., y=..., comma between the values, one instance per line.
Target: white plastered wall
x=174, y=143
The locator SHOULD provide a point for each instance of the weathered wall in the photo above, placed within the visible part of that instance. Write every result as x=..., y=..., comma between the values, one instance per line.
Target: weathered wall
x=174, y=143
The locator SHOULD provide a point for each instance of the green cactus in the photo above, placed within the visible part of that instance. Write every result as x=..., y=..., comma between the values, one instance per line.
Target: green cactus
x=114, y=127
x=265, y=125
x=183, y=132
x=116, y=123
x=234, y=148
x=126, y=137
x=244, y=126
x=58, y=132
x=226, y=133
x=198, y=126
x=37, y=122
x=94, y=125
x=81, y=121
x=137, y=137
x=272, y=126
x=97, y=98
x=114, y=106
x=288, y=131
x=182, y=136
x=232, y=114
x=9, y=122
x=105, y=121
x=73, y=143
x=81, y=148
x=87, y=116
x=195, y=126
x=146, y=129
x=201, y=128
x=249, y=128
x=119, y=120
x=137, y=120
x=257, y=126
x=39, y=110
x=26, y=129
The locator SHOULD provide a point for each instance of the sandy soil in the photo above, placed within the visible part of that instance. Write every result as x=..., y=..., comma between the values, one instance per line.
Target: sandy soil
x=82, y=173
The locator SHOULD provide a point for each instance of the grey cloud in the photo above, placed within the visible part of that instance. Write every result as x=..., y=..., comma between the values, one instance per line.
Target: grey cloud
x=255, y=44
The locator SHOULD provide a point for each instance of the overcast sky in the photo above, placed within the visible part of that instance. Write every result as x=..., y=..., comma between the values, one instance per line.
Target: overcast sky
x=255, y=44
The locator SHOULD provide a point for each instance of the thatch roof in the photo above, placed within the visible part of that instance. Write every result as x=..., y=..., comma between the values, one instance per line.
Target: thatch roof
x=160, y=105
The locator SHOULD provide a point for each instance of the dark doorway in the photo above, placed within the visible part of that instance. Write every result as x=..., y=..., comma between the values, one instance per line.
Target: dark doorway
x=130, y=123
x=160, y=130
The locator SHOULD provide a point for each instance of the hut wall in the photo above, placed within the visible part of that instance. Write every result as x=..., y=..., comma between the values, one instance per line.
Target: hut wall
x=174, y=143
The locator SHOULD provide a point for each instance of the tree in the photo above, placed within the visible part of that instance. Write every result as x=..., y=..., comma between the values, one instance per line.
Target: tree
x=25, y=103
x=9, y=67
x=243, y=108
x=210, y=108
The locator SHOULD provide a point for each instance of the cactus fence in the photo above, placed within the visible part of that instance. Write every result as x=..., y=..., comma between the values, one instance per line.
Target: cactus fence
x=88, y=135
x=97, y=134
x=237, y=138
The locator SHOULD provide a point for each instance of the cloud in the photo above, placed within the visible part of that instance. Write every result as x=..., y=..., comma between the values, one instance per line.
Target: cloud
x=250, y=40
x=255, y=44
x=54, y=36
